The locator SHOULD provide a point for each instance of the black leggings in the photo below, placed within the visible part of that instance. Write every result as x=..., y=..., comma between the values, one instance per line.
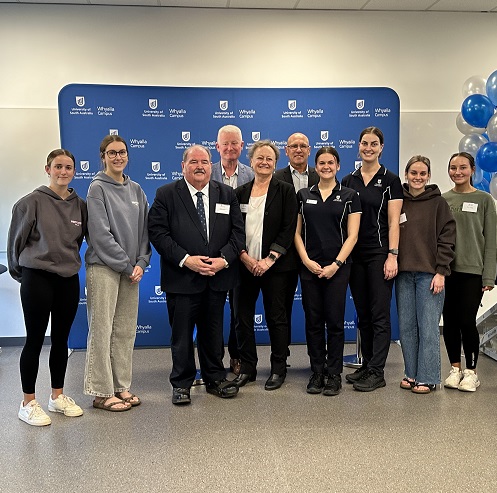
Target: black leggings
x=463, y=293
x=44, y=294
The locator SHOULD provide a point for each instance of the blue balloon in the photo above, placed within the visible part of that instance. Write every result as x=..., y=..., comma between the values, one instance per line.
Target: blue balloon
x=492, y=88
x=486, y=157
x=477, y=109
x=486, y=175
x=484, y=186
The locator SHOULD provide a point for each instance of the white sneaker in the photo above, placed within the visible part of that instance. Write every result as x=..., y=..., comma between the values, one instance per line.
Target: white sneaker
x=64, y=404
x=33, y=414
x=470, y=381
x=454, y=378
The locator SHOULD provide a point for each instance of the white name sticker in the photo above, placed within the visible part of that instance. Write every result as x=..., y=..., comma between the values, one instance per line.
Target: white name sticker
x=244, y=208
x=403, y=218
x=469, y=207
x=222, y=208
x=311, y=201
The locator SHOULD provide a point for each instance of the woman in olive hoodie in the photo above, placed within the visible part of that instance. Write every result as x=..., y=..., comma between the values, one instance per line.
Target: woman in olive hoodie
x=426, y=249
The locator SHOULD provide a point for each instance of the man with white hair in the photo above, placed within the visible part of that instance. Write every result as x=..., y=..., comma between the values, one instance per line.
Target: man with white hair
x=230, y=171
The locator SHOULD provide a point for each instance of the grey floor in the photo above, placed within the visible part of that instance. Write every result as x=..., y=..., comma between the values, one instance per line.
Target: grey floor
x=390, y=440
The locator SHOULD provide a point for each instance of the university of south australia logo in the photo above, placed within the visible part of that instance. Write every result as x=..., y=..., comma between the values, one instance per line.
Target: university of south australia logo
x=80, y=101
x=113, y=131
x=324, y=134
x=223, y=105
x=84, y=165
x=359, y=104
x=256, y=136
x=292, y=104
x=152, y=104
x=258, y=318
x=158, y=291
x=155, y=166
x=185, y=136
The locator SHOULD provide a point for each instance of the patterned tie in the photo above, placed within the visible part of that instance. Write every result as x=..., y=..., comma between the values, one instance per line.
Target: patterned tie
x=201, y=211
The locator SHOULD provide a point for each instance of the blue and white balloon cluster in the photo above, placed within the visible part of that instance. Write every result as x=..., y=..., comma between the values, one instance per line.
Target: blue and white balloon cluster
x=478, y=122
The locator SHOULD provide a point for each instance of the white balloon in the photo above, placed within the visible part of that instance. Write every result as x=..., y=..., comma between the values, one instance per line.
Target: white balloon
x=465, y=128
x=477, y=175
x=474, y=85
x=493, y=186
x=492, y=128
x=471, y=143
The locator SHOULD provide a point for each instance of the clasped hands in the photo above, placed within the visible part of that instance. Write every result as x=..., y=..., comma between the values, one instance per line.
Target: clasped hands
x=205, y=266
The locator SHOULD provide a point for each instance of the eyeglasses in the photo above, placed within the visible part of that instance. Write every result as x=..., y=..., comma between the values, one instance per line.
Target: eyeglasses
x=112, y=154
x=294, y=147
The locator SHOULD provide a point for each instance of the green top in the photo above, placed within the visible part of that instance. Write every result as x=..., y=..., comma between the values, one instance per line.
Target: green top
x=476, y=238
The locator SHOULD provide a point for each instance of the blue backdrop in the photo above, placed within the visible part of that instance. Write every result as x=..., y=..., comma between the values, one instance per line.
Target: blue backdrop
x=160, y=122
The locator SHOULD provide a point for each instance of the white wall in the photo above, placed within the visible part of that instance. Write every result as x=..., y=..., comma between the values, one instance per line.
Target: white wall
x=424, y=57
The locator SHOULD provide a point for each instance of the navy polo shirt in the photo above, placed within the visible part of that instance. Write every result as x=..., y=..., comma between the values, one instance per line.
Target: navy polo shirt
x=324, y=224
x=383, y=187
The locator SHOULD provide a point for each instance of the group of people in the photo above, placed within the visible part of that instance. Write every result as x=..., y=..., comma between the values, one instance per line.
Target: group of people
x=237, y=230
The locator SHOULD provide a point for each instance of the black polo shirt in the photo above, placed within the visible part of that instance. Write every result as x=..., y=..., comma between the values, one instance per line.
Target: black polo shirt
x=324, y=224
x=383, y=187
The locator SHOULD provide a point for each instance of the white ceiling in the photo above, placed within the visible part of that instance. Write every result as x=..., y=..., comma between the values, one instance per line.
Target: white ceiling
x=364, y=5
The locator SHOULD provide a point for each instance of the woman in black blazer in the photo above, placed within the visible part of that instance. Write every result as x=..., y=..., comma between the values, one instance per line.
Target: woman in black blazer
x=269, y=209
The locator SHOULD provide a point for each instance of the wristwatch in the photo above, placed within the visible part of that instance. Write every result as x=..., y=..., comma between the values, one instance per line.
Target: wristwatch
x=272, y=257
x=338, y=262
x=226, y=263
x=394, y=251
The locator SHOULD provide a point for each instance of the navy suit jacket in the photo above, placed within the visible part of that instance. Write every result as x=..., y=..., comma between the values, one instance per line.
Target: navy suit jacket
x=280, y=222
x=285, y=174
x=175, y=230
x=245, y=173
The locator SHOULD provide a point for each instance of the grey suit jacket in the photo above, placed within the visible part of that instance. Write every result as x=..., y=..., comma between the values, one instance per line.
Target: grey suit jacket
x=245, y=173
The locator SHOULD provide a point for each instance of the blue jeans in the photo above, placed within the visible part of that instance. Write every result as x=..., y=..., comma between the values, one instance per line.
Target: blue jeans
x=419, y=316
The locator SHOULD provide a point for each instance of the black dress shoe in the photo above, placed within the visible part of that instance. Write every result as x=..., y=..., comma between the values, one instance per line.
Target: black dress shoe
x=244, y=378
x=181, y=396
x=275, y=381
x=222, y=388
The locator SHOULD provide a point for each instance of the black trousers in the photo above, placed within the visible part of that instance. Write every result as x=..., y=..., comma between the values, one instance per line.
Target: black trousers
x=292, y=282
x=232, y=342
x=46, y=295
x=463, y=294
x=273, y=287
x=205, y=310
x=324, y=307
x=372, y=296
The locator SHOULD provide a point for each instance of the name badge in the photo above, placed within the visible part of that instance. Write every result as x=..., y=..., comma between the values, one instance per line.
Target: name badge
x=244, y=208
x=403, y=218
x=469, y=207
x=311, y=201
x=222, y=208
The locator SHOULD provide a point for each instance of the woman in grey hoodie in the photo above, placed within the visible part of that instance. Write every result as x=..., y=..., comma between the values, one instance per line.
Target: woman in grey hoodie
x=46, y=232
x=118, y=253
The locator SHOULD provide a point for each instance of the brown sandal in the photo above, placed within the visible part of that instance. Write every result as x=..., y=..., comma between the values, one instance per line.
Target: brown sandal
x=129, y=400
x=101, y=404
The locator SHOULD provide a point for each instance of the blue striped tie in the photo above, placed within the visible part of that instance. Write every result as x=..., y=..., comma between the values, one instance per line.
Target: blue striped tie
x=201, y=211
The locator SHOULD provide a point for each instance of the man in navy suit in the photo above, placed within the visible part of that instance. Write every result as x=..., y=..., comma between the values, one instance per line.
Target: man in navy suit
x=230, y=171
x=300, y=175
x=196, y=226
